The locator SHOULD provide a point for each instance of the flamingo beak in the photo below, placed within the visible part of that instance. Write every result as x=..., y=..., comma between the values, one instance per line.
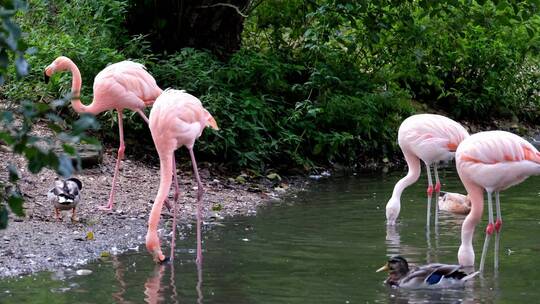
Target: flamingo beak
x=384, y=268
x=46, y=77
x=159, y=258
x=165, y=261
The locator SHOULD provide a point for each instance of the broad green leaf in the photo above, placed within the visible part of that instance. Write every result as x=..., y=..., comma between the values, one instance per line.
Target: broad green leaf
x=15, y=202
x=3, y=216
x=14, y=174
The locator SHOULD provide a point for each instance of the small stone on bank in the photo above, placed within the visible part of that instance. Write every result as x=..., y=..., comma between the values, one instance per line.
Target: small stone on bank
x=83, y=272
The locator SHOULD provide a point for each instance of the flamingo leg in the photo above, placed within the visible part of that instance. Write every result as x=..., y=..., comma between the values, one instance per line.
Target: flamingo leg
x=141, y=113
x=199, y=284
x=498, y=226
x=175, y=207
x=199, y=203
x=437, y=192
x=489, y=231
x=121, y=150
x=429, y=194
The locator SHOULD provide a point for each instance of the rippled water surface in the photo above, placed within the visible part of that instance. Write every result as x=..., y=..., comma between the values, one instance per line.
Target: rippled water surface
x=320, y=246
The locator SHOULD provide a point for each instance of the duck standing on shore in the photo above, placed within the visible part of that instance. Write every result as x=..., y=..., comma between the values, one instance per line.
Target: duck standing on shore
x=426, y=276
x=65, y=195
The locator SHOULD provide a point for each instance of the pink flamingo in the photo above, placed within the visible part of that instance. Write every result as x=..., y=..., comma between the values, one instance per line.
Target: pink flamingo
x=494, y=161
x=428, y=137
x=177, y=119
x=123, y=85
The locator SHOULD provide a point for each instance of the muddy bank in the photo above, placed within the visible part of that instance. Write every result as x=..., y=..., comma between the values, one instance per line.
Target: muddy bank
x=39, y=242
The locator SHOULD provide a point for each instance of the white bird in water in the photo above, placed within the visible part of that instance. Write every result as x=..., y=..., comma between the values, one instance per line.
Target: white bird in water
x=65, y=195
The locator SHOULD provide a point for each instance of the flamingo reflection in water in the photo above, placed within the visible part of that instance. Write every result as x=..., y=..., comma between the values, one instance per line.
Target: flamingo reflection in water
x=153, y=287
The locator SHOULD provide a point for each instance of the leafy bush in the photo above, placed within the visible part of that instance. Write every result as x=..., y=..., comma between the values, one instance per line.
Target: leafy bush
x=267, y=118
x=85, y=31
x=464, y=57
x=316, y=82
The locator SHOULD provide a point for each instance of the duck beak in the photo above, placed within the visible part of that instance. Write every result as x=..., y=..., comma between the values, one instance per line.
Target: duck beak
x=384, y=268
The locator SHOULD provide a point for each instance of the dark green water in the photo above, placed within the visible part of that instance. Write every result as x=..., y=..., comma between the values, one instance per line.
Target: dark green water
x=322, y=246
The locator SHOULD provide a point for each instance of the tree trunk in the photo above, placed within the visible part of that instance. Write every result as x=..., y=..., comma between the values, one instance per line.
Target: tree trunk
x=202, y=24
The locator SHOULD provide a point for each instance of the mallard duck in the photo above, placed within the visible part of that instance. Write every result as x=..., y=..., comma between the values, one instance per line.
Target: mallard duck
x=65, y=195
x=427, y=276
x=455, y=203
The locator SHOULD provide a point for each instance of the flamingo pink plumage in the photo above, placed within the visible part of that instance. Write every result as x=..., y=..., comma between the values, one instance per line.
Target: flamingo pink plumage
x=494, y=161
x=123, y=85
x=177, y=119
x=428, y=137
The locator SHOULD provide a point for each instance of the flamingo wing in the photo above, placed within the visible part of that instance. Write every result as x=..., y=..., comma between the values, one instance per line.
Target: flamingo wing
x=431, y=137
x=497, y=160
x=126, y=78
x=181, y=116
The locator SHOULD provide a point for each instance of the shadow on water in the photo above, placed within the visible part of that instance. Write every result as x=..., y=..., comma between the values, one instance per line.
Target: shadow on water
x=321, y=246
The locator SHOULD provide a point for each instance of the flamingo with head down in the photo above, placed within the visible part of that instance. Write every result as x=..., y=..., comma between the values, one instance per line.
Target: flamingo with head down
x=428, y=137
x=492, y=161
x=177, y=119
x=123, y=85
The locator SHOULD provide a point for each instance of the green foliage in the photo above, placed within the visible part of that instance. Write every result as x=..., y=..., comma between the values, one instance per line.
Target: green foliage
x=17, y=121
x=273, y=111
x=470, y=58
x=316, y=82
x=10, y=42
x=86, y=31
x=465, y=57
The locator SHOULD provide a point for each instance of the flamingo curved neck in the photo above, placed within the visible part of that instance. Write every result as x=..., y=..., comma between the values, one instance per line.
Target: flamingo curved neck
x=76, y=84
x=466, y=251
x=409, y=179
x=163, y=191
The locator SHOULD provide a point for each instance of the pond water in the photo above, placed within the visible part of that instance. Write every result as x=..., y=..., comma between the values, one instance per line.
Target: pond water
x=320, y=246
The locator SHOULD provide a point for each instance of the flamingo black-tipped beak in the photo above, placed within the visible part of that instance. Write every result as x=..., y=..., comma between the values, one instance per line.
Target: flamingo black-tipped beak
x=165, y=261
x=46, y=77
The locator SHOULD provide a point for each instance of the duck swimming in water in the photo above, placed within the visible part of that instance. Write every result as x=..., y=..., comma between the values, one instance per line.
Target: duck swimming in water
x=427, y=276
x=455, y=203
x=65, y=195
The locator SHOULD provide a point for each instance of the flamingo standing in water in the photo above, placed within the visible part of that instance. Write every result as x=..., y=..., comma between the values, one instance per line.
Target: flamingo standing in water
x=494, y=161
x=123, y=85
x=177, y=119
x=428, y=137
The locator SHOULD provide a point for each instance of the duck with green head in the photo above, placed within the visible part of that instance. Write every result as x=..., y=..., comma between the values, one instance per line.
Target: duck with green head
x=426, y=276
